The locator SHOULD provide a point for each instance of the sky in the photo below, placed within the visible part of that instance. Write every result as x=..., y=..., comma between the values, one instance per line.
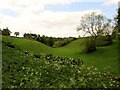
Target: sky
x=57, y=18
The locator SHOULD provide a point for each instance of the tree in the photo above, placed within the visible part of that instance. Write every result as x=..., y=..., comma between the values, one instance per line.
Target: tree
x=57, y=44
x=95, y=25
x=6, y=32
x=16, y=33
x=0, y=31
x=118, y=21
x=116, y=31
x=37, y=38
x=50, y=41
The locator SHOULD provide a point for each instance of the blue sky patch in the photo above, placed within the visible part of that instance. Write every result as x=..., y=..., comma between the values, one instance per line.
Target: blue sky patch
x=81, y=6
x=9, y=12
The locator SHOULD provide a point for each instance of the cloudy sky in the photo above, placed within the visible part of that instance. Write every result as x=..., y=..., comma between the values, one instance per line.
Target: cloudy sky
x=57, y=18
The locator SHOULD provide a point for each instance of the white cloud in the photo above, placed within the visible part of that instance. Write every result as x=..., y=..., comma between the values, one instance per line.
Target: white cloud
x=35, y=19
x=48, y=23
x=110, y=2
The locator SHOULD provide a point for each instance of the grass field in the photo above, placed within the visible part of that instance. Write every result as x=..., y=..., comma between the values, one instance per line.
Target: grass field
x=103, y=57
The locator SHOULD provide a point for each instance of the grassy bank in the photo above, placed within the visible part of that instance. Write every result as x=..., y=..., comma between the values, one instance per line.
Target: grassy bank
x=102, y=58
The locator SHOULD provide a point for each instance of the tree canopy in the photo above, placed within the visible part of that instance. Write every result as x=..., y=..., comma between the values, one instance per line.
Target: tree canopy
x=6, y=32
x=16, y=33
x=95, y=24
x=118, y=22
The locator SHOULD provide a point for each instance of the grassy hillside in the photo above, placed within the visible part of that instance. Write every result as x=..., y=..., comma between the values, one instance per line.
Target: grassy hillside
x=20, y=70
x=103, y=57
x=31, y=46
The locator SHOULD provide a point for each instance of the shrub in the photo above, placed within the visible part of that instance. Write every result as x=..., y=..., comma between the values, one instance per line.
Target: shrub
x=90, y=45
x=24, y=71
x=114, y=34
x=104, y=40
x=9, y=44
x=37, y=56
x=12, y=46
x=57, y=44
x=6, y=32
x=26, y=52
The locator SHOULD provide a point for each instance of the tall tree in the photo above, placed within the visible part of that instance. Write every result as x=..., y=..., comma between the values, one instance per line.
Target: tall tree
x=116, y=31
x=118, y=17
x=117, y=24
x=0, y=31
x=16, y=33
x=6, y=32
x=94, y=25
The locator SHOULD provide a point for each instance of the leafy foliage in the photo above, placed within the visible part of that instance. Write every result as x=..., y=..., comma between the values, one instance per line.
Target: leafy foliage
x=104, y=40
x=108, y=55
x=16, y=33
x=6, y=32
x=9, y=44
x=0, y=32
x=118, y=21
x=22, y=70
x=90, y=45
x=94, y=25
x=50, y=41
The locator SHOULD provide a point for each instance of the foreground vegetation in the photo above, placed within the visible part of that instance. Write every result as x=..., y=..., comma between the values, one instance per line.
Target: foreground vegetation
x=27, y=70
x=104, y=56
x=71, y=66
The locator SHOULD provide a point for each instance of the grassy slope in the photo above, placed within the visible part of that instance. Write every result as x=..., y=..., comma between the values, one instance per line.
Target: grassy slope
x=31, y=46
x=104, y=56
x=21, y=70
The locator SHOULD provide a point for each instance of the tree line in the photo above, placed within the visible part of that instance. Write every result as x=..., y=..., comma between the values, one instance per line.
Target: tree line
x=96, y=26
x=50, y=41
x=7, y=32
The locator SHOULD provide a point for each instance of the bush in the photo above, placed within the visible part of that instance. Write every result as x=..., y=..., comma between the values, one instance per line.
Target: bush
x=90, y=45
x=26, y=52
x=9, y=44
x=57, y=44
x=118, y=36
x=104, y=40
x=114, y=34
x=6, y=32
x=12, y=46
x=37, y=55
x=25, y=71
x=63, y=42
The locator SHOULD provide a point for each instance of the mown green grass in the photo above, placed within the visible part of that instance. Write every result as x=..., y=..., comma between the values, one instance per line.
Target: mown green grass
x=20, y=70
x=31, y=46
x=103, y=57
